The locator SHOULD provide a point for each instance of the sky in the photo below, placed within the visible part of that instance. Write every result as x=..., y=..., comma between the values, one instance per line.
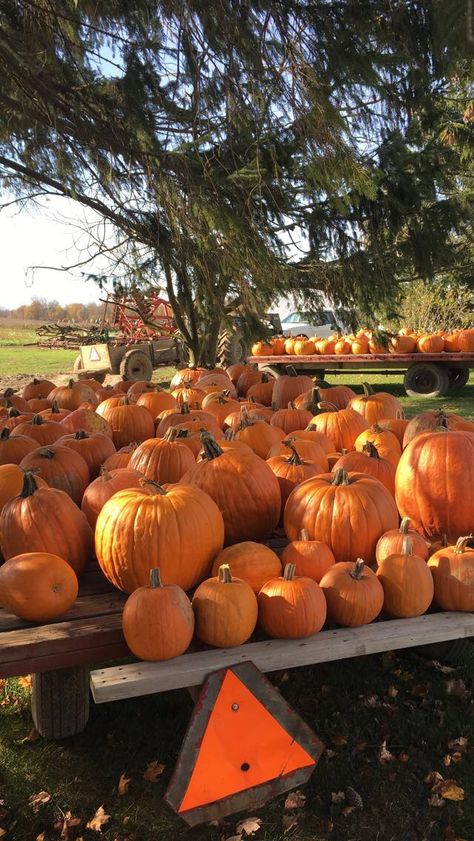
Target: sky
x=47, y=236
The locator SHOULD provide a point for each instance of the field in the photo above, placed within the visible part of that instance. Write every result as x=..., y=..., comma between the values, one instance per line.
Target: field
x=388, y=722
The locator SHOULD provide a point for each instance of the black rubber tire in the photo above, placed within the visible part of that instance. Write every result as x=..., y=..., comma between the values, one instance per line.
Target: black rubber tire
x=136, y=365
x=60, y=702
x=231, y=348
x=458, y=377
x=425, y=379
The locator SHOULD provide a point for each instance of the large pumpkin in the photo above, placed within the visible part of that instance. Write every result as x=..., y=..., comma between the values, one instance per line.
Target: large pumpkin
x=369, y=461
x=156, y=401
x=288, y=387
x=433, y=483
x=54, y=413
x=94, y=448
x=263, y=392
x=453, y=574
x=106, y=485
x=121, y=458
x=387, y=444
x=395, y=425
x=307, y=450
x=42, y=431
x=243, y=487
x=225, y=610
x=185, y=416
x=165, y=460
x=14, y=449
x=341, y=426
x=392, y=541
x=348, y=512
x=407, y=583
x=291, y=418
x=86, y=419
x=374, y=406
x=259, y=435
x=219, y=406
x=353, y=593
x=249, y=376
x=291, y=607
x=466, y=341
x=158, y=620
x=311, y=557
x=37, y=586
x=37, y=388
x=189, y=394
x=179, y=530
x=11, y=482
x=428, y=421
x=128, y=421
x=71, y=396
x=45, y=519
x=253, y=562
x=61, y=468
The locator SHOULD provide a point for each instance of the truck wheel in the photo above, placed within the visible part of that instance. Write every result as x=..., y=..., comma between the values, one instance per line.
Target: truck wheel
x=231, y=348
x=60, y=702
x=78, y=366
x=458, y=377
x=425, y=379
x=136, y=365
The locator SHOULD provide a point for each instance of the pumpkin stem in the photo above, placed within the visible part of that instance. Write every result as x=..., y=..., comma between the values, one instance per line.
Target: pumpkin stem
x=154, y=485
x=443, y=421
x=13, y=412
x=370, y=450
x=295, y=457
x=289, y=572
x=303, y=535
x=155, y=579
x=376, y=428
x=55, y=410
x=171, y=434
x=225, y=575
x=325, y=405
x=265, y=378
x=81, y=434
x=341, y=477
x=71, y=384
x=45, y=452
x=407, y=545
x=185, y=410
x=5, y=434
x=29, y=483
x=9, y=392
x=291, y=371
x=210, y=446
x=37, y=420
x=104, y=472
x=229, y=435
x=314, y=399
x=461, y=544
x=368, y=390
x=405, y=525
x=358, y=569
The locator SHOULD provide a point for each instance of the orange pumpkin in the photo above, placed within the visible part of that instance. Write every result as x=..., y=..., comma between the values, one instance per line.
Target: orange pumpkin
x=186, y=418
x=291, y=471
x=37, y=388
x=71, y=396
x=121, y=458
x=373, y=406
x=402, y=344
x=395, y=425
x=338, y=395
x=155, y=401
x=342, y=347
x=191, y=395
x=37, y=586
x=466, y=341
x=86, y=419
x=391, y=542
x=291, y=607
x=370, y=462
x=304, y=347
x=234, y=371
x=219, y=406
x=14, y=449
x=106, y=485
x=430, y=344
x=407, y=583
x=354, y=594
x=288, y=387
x=253, y=562
x=262, y=349
x=165, y=460
x=428, y=421
x=11, y=482
x=38, y=404
x=42, y=431
x=186, y=375
x=314, y=436
x=54, y=413
x=453, y=575
x=341, y=426
x=360, y=345
x=451, y=342
x=94, y=448
x=312, y=558
x=250, y=376
x=387, y=444
x=291, y=418
x=225, y=610
x=259, y=435
x=262, y=392
x=9, y=399
x=128, y=421
x=61, y=467
x=310, y=451
x=278, y=345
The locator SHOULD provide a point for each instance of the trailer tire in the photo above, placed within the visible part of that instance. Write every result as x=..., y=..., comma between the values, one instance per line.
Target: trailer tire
x=458, y=377
x=425, y=379
x=231, y=348
x=60, y=702
x=78, y=366
x=136, y=365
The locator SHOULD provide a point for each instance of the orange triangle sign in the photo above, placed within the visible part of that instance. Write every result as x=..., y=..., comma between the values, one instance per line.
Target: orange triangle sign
x=244, y=743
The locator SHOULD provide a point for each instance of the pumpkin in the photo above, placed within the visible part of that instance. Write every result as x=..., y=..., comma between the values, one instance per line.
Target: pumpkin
x=106, y=485
x=348, y=512
x=86, y=419
x=191, y=438
x=61, y=468
x=433, y=483
x=304, y=347
x=428, y=421
x=387, y=444
x=262, y=349
x=37, y=586
x=253, y=562
x=128, y=421
x=243, y=487
x=94, y=384
x=43, y=519
x=183, y=416
x=121, y=458
x=157, y=400
x=213, y=383
x=341, y=426
x=180, y=530
x=402, y=344
x=186, y=375
x=38, y=404
x=430, y=344
x=11, y=482
x=219, y=406
x=139, y=387
x=453, y=575
x=310, y=451
x=370, y=462
x=42, y=431
x=373, y=406
x=278, y=345
x=342, y=346
x=451, y=343
x=395, y=425
x=326, y=347
x=466, y=341
x=312, y=558
x=292, y=470
x=94, y=448
x=191, y=395
x=14, y=449
x=291, y=607
x=259, y=435
x=54, y=413
x=250, y=376
x=164, y=460
x=71, y=396
x=225, y=610
x=407, y=583
x=9, y=398
x=249, y=412
x=354, y=594
x=37, y=388
x=158, y=620
x=13, y=418
x=288, y=387
x=262, y=392
x=291, y=418
x=360, y=344
x=338, y=395
x=391, y=542
x=234, y=371
x=311, y=434
x=289, y=346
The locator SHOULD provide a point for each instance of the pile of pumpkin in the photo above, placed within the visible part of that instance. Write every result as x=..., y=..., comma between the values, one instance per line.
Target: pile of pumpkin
x=366, y=341
x=167, y=488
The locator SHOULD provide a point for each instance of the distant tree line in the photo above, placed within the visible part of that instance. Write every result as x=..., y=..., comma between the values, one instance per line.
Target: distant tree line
x=42, y=310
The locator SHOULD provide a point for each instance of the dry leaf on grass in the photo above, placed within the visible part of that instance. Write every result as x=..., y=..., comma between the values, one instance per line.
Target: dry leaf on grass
x=457, y=687
x=433, y=778
x=295, y=800
x=392, y=692
x=234, y=838
x=123, y=784
x=403, y=756
x=153, y=771
x=347, y=810
x=440, y=667
x=289, y=822
x=353, y=798
x=2, y=832
x=459, y=744
x=436, y=800
x=65, y=823
x=37, y=800
x=97, y=822
x=384, y=754
x=32, y=736
x=249, y=826
x=338, y=797
x=339, y=739
x=25, y=682
x=450, y=790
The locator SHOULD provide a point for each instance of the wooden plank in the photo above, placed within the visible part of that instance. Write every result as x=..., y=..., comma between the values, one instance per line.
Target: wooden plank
x=85, y=607
x=64, y=659
x=462, y=358
x=144, y=678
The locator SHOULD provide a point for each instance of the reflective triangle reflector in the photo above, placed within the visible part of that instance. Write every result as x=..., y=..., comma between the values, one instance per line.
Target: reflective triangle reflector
x=244, y=745
x=94, y=355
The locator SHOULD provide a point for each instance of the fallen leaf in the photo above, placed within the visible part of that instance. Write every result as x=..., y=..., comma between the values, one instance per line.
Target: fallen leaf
x=284, y=677
x=440, y=667
x=338, y=797
x=339, y=739
x=295, y=800
x=459, y=744
x=289, y=822
x=100, y=818
x=347, y=810
x=456, y=687
x=325, y=690
x=32, y=736
x=372, y=701
x=420, y=690
x=249, y=826
x=384, y=754
x=353, y=798
x=406, y=676
x=360, y=746
x=328, y=753
x=4, y=832
x=65, y=823
x=123, y=784
x=25, y=682
x=37, y=800
x=436, y=800
x=433, y=778
x=392, y=692
x=450, y=790
x=234, y=838
x=153, y=771
x=403, y=757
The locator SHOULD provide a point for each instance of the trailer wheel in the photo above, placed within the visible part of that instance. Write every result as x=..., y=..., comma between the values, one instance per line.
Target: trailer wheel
x=78, y=366
x=458, y=377
x=427, y=380
x=231, y=348
x=136, y=365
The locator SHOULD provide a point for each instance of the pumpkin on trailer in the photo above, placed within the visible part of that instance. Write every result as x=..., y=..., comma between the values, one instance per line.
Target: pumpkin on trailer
x=86, y=419
x=453, y=574
x=407, y=583
x=341, y=426
x=43, y=519
x=180, y=530
x=291, y=607
x=430, y=343
x=291, y=418
x=61, y=468
x=291, y=470
x=158, y=620
x=433, y=483
x=288, y=387
x=392, y=542
x=387, y=444
x=71, y=396
x=225, y=610
x=348, y=512
x=312, y=558
x=262, y=349
x=466, y=341
x=243, y=487
x=369, y=461
x=128, y=421
x=14, y=449
x=259, y=435
x=374, y=406
x=165, y=460
x=253, y=562
x=42, y=431
x=37, y=388
x=37, y=586
x=94, y=448
x=354, y=594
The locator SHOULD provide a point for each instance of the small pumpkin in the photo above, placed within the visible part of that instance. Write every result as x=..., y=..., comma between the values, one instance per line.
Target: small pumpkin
x=156, y=401
x=395, y=425
x=312, y=558
x=165, y=460
x=61, y=467
x=128, y=421
x=387, y=444
x=292, y=470
x=369, y=461
x=453, y=575
x=262, y=349
x=54, y=413
x=121, y=458
x=341, y=426
x=37, y=388
x=429, y=421
x=259, y=435
x=94, y=448
x=392, y=542
x=253, y=562
x=42, y=431
x=14, y=449
x=37, y=586
x=225, y=610
x=407, y=583
x=158, y=620
x=291, y=418
x=430, y=343
x=291, y=607
x=354, y=594
x=262, y=392
x=374, y=406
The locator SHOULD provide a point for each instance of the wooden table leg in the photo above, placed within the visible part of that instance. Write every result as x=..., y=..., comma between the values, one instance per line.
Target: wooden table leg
x=60, y=702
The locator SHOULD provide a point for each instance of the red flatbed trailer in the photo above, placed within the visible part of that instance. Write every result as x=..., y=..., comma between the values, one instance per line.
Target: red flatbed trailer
x=425, y=374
